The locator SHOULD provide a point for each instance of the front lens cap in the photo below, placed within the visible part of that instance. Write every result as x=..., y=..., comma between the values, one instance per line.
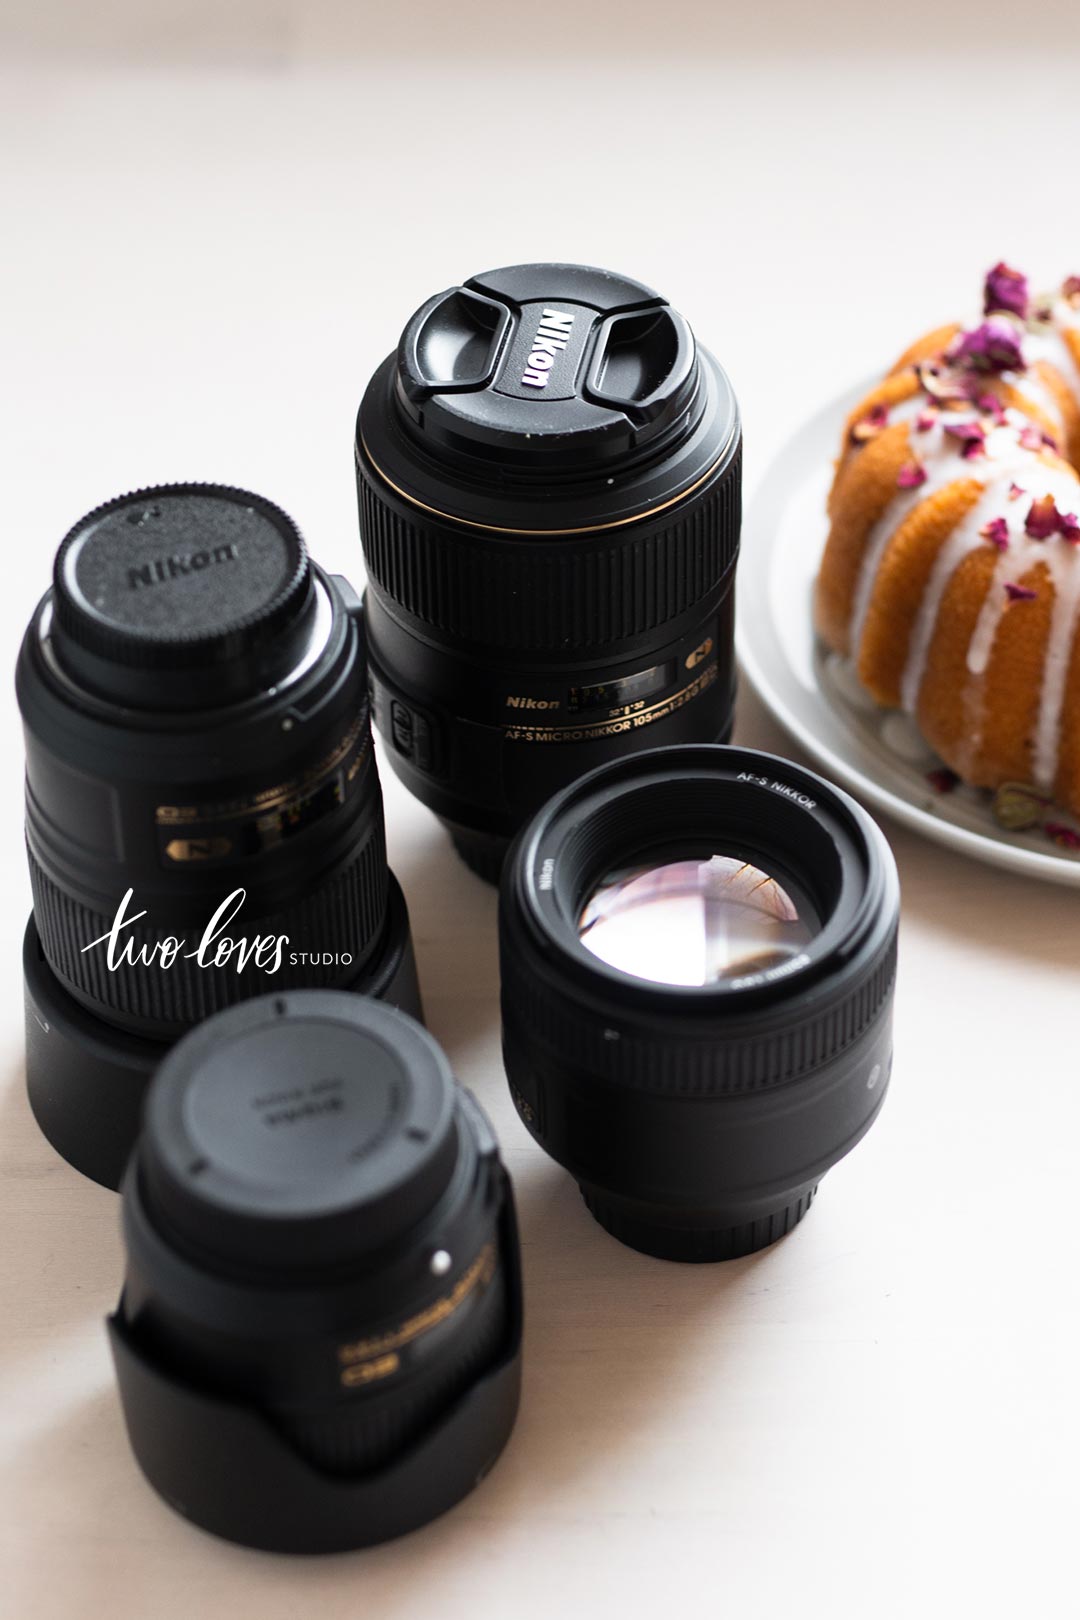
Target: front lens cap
x=560, y=365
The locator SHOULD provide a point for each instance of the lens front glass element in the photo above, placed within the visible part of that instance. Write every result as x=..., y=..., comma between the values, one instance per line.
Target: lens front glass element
x=694, y=922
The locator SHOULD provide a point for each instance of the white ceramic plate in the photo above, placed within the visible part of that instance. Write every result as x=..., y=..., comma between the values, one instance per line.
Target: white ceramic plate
x=878, y=755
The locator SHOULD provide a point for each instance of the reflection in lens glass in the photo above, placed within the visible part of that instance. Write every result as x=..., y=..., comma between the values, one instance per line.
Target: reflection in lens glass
x=694, y=922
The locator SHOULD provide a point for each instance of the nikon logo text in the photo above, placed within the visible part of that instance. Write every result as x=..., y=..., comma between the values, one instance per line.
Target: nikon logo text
x=551, y=336
x=162, y=569
x=532, y=703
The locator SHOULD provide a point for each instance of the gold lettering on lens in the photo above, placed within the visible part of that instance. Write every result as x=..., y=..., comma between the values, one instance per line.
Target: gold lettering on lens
x=629, y=718
x=197, y=849
x=200, y=832
x=368, y=1372
x=368, y=1359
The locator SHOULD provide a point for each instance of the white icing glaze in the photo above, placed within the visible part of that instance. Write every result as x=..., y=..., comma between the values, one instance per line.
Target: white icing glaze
x=1047, y=342
x=1006, y=461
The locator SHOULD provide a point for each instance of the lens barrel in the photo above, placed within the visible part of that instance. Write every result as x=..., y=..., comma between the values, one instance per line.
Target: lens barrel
x=203, y=813
x=699, y=1111
x=549, y=481
x=318, y=1341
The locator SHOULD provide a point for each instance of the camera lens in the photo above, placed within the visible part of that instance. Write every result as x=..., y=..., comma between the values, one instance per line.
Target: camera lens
x=698, y=952
x=318, y=1340
x=203, y=813
x=549, y=477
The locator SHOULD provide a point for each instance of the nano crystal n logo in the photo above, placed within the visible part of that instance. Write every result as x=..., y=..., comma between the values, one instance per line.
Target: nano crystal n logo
x=551, y=336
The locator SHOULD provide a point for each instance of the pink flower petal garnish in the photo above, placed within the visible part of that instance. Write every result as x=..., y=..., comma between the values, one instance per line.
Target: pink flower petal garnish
x=1067, y=837
x=1069, y=528
x=870, y=425
x=1020, y=593
x=1015, y=492
x=945, y=384
x=911, y=475
x=1071, y=289
x=1043, y=520
x=993, y=407
x=943, y=780
x=1006, y=289
x=971, y=437
x=1033, y=438
x=997, y=532
x=993, y=346
x=925, y=421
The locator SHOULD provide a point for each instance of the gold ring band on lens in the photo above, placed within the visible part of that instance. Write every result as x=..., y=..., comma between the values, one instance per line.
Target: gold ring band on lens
x=498, y=528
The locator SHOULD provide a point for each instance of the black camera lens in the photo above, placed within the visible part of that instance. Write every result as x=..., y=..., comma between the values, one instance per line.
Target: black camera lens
x=203, y=814
x=698, y=953
x=318, y=1340
x=549, y=477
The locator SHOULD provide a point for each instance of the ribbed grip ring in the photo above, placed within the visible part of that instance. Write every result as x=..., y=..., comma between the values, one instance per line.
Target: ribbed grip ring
x=344, y=914
x=751, y=1057
x=540, y=594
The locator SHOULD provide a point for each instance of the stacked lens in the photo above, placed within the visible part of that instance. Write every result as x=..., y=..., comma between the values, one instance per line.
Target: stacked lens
x=203, y=812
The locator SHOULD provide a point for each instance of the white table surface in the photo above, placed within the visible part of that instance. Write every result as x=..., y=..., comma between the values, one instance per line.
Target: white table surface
x=200, y=265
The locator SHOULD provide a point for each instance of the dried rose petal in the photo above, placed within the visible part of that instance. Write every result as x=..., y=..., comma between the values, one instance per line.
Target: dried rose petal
x=993, y=346
x=971, y=437
x=943, y=780
x=1044, y=519
x=997, y=532
x=1019, y=593
x=1066, y=837
x=1015, y=492
x=944, y=384
x=869, y=426
x=911, y=475
x=1006, y=289
x=1071, y=290
x=1033, y=438
x=993, y=406
x=925, y=421
x=1018, y=806
x=1069, y=528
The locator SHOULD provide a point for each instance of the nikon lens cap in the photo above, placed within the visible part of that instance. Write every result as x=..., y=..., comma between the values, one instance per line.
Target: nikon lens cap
x=541, y=372
x=185, y=593
x=555, y=363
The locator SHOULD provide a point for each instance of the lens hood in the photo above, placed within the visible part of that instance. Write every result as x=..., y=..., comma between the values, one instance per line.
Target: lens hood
x=319, y=1336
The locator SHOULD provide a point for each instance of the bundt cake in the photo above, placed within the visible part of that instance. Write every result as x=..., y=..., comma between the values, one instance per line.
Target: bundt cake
x=951, y=574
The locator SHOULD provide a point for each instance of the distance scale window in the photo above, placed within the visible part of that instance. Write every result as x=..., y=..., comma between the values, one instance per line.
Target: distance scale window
x=617, y=694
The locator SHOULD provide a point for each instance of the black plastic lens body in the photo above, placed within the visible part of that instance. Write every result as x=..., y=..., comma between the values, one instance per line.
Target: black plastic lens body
x=318, y=1341
x=549, y=477
x=194, y=700
x=699, y=1106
